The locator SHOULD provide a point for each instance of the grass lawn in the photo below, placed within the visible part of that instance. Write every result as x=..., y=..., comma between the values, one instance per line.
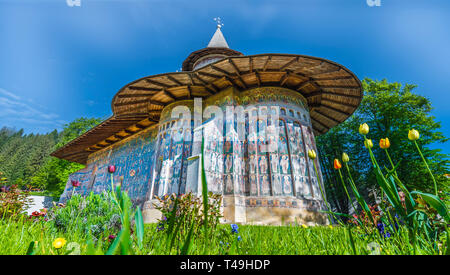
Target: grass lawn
x=16, y=236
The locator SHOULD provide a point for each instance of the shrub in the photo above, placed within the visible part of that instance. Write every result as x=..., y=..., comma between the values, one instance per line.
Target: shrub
x=95, y=214
x=13, y=202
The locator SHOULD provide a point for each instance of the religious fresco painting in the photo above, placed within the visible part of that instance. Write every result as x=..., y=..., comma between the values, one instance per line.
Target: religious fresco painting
x=255, y=155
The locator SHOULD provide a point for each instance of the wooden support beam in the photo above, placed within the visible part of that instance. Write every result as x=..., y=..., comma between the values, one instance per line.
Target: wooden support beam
x=303, y=85
x=295, y=59
x=201, y=80
x=336, y=110
x=155, y=102
x=339, y=87
x=327, y=72
x=320, y=123
x=135, y=95
x=234, y=83
x=327, y=116
x=339, y=102
x=137, y=125
x=236, y=69
x=189, y=91
x=215, y=88
x=130, y=103
x=191, y=79
x=169, y=94
x=258, y=79
x=267, y=62
x=334, y=78
x=341, y=94
x=174, y=80
x=284, y=78
x=137, y=88
x=154, y=82
x=316, y=93
x=219, y=70
x=209, y=75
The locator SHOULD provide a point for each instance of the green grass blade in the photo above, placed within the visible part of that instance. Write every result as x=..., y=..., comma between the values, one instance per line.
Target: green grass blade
x=114, y=247
x=139, y=223
x=30, y=250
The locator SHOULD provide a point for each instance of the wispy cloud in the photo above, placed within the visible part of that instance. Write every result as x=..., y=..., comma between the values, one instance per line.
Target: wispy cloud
x=18, y=112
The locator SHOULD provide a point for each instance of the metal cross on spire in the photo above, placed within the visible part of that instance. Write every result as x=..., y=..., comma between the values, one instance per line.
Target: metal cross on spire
x=218, y=22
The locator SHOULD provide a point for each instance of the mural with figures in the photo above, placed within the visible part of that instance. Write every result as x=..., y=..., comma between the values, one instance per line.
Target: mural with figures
x=269, y=162
x=134, y=159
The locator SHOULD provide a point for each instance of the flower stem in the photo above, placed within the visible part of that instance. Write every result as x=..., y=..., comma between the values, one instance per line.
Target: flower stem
x=114, y=195
x=345, y=188
x=428, y=168
x=390, y=160
x=321, y=192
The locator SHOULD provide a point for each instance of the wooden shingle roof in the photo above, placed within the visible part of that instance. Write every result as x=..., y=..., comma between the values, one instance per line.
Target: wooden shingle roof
x=332, y=91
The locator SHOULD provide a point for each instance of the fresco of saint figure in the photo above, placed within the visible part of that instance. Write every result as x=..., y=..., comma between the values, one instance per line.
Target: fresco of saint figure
x=253, y=164
x=287, y=184
x=265, y=185
x=237, y=165
x=276, y=185
x=220, y=164
x=284, y=163
x=228, y=163
x=263, y=164
x=274, y=163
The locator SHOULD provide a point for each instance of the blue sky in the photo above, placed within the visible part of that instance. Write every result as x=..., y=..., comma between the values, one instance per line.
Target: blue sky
x=58, y=63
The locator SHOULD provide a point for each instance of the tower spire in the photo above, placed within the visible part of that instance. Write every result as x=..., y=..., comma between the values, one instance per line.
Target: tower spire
x=218, y=40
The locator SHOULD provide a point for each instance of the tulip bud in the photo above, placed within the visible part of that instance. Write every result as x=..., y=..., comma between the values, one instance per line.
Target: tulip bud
x=364, y=129
x=111, y=169
x=385, y=143
x=345, y=158
x=413, y=135
x=337, y=164
x=368, y=143
x=75, y=183
x=312, y=154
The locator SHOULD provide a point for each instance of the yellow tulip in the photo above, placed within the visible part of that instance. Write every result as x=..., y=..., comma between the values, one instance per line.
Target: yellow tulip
x=59, y=242
x=368, y=143
x=304, y=226
x=413, y=135
x=385, y=143
x=312, y=154
x=345, y=157
x=364, y=129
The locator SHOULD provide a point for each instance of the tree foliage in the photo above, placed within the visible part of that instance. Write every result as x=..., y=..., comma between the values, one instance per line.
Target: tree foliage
x=390, y=109
x=54, y=173
x=25, y=158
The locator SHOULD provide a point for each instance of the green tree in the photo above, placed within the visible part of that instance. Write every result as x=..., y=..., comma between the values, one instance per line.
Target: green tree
x=54, y=173
x=390, y=109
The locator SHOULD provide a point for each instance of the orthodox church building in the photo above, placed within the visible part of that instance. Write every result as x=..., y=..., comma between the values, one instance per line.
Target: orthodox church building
x=250, y=118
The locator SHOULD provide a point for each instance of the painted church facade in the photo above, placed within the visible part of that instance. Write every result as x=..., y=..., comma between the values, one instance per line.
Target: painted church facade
x=255, y=137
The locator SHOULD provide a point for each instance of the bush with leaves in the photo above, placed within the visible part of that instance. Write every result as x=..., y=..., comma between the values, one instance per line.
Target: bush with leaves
x=94, y=214
x=13, y=202
x=188, y=208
